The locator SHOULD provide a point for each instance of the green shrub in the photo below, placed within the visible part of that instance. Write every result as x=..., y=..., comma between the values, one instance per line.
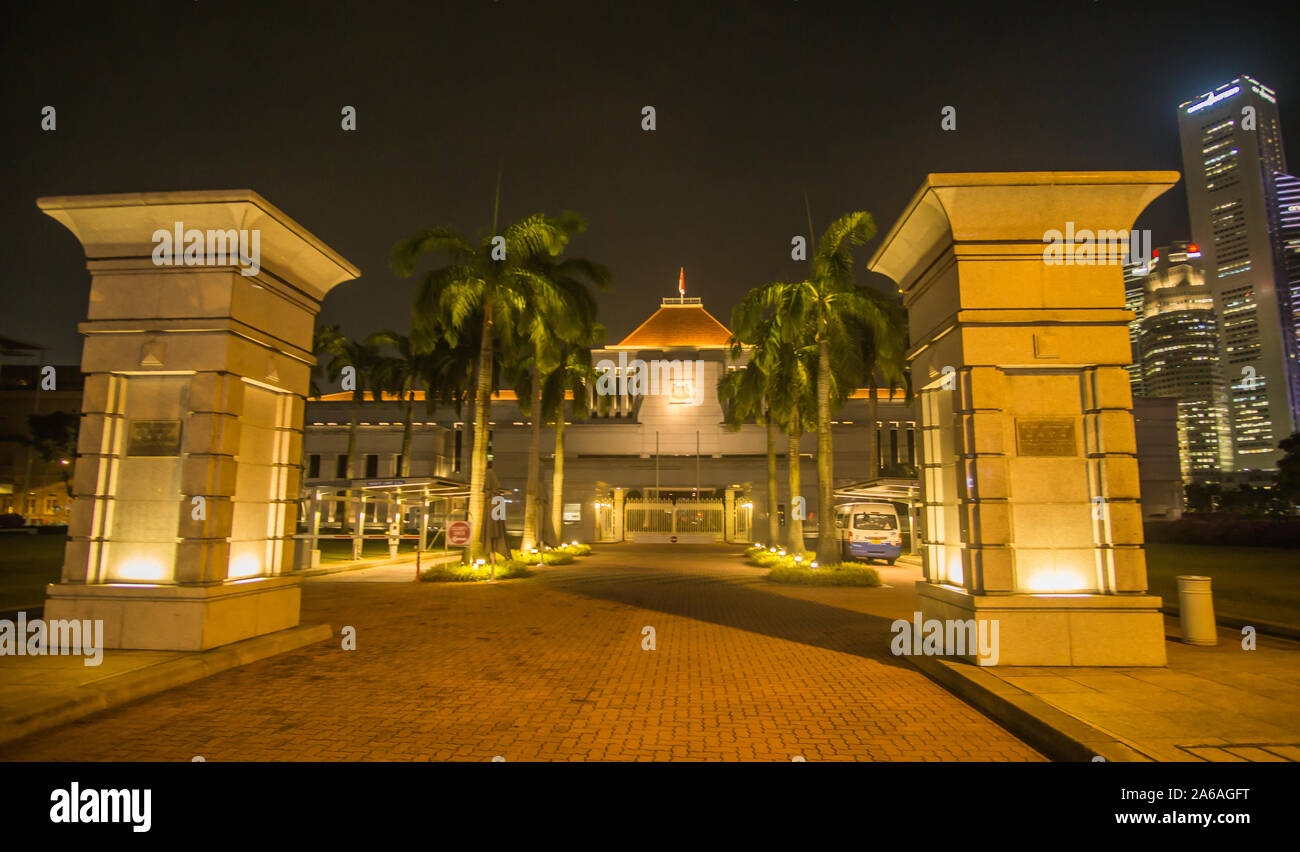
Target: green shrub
x=457, y=572
x=575, y=549
x=765, y=558
x=842, y=574
x=549, y=557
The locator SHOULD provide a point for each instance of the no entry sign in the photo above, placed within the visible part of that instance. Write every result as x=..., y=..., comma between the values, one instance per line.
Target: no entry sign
x=672, y=539
x=458, y=533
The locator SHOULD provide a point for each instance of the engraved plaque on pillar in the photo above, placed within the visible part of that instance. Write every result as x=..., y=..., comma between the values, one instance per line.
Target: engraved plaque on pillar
x=1046, y=437
x=154, y=438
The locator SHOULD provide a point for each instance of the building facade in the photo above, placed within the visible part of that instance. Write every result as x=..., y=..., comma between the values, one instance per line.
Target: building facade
x=1235, y=170
x=36, y=468
x=657, y=462
x=1179, y=334
x=660, y=462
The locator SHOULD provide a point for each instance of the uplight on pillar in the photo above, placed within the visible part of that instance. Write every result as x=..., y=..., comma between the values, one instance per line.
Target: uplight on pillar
x=1031, y=510
x=198, y=357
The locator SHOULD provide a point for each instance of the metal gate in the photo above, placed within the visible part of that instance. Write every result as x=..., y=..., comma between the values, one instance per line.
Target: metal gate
x=696, y=518
x=648, y=516
x=744, y=521
x=604, y=521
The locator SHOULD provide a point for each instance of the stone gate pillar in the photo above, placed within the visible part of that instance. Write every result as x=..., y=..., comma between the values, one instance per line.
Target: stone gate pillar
x=1029, y=468
x=198, y=357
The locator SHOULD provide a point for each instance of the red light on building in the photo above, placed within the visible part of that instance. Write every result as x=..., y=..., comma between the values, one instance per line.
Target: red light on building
x=1193, y=247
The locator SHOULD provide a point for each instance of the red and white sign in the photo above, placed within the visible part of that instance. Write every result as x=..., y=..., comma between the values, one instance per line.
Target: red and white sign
x=458, y=533
x=672, y=539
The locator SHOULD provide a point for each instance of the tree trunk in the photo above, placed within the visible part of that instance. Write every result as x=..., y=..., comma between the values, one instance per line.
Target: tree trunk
x=827, y=545
x=478, y=461
x=557, y=478
x=405, y=469
x=773, y=522
x=796, y=544
x=531, y=537
x=874, y=425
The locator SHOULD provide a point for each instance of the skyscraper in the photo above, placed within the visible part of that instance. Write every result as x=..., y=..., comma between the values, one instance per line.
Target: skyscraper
x=1288, y=263
x=1135, y=272
x=1234, y=166
x=1180, y=359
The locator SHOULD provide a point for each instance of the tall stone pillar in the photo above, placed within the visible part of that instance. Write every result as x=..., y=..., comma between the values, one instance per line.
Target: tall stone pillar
x=1029, y=469
x=198, y=357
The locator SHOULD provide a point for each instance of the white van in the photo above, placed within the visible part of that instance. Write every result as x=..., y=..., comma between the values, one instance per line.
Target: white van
x=868, y=531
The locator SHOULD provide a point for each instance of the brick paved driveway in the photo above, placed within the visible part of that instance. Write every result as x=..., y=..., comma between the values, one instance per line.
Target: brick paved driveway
x=552, y=668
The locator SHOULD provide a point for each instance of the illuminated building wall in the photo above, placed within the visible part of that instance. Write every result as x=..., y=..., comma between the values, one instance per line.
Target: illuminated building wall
x=1180, y=358
x=1232, y=157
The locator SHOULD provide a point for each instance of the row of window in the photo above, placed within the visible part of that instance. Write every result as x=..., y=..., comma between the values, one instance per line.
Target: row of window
x=370, y=461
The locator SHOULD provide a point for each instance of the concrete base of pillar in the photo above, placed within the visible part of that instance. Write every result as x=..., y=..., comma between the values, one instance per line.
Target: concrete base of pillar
x=1058, y=630
x=180, y=618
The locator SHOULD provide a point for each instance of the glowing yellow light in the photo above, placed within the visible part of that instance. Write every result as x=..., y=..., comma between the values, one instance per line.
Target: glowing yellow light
x=955, y=572
x=142, y=568
x=244, y=566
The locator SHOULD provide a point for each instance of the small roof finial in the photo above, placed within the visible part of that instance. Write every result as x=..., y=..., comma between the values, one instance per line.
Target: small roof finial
x=681, y=283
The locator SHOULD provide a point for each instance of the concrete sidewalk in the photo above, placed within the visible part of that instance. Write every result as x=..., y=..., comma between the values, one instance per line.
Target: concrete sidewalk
x=1220, y=703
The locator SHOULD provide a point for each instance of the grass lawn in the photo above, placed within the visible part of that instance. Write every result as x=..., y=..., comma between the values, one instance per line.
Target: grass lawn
x=1248, y=582
x=27, y=564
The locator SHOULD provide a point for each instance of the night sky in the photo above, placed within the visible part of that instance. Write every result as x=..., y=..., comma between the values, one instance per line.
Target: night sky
x=756, y=103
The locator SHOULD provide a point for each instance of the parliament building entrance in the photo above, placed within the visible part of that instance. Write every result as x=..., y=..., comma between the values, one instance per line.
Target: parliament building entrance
x=674, y=516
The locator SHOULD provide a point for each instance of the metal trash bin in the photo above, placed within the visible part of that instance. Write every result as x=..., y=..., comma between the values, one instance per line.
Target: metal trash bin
x=1196, y=610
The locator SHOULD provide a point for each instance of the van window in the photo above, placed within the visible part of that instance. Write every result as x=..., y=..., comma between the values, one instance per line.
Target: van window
x=874, y=521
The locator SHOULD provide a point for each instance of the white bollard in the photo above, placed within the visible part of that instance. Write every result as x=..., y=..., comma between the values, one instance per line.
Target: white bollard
x=1196, y=611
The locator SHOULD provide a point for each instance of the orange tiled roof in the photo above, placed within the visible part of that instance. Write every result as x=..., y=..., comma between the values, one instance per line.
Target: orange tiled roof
x=678, y=325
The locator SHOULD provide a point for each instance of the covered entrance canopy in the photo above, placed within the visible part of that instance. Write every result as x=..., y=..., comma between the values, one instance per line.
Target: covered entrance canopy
x=887, y=490
x=392, y=509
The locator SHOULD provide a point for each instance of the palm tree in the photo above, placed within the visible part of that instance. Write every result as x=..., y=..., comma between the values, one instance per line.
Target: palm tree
x=884, y=357
x=573, y=377
x=565, y=313
x=794, y=402
x=326, y=340
x=822, y=322
x=399, y=375
x=495, y=285
x=744, y=393
x=420, y=363
x=448, y=371
x=830, y=305
x=362, y=358
x=783, y=357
